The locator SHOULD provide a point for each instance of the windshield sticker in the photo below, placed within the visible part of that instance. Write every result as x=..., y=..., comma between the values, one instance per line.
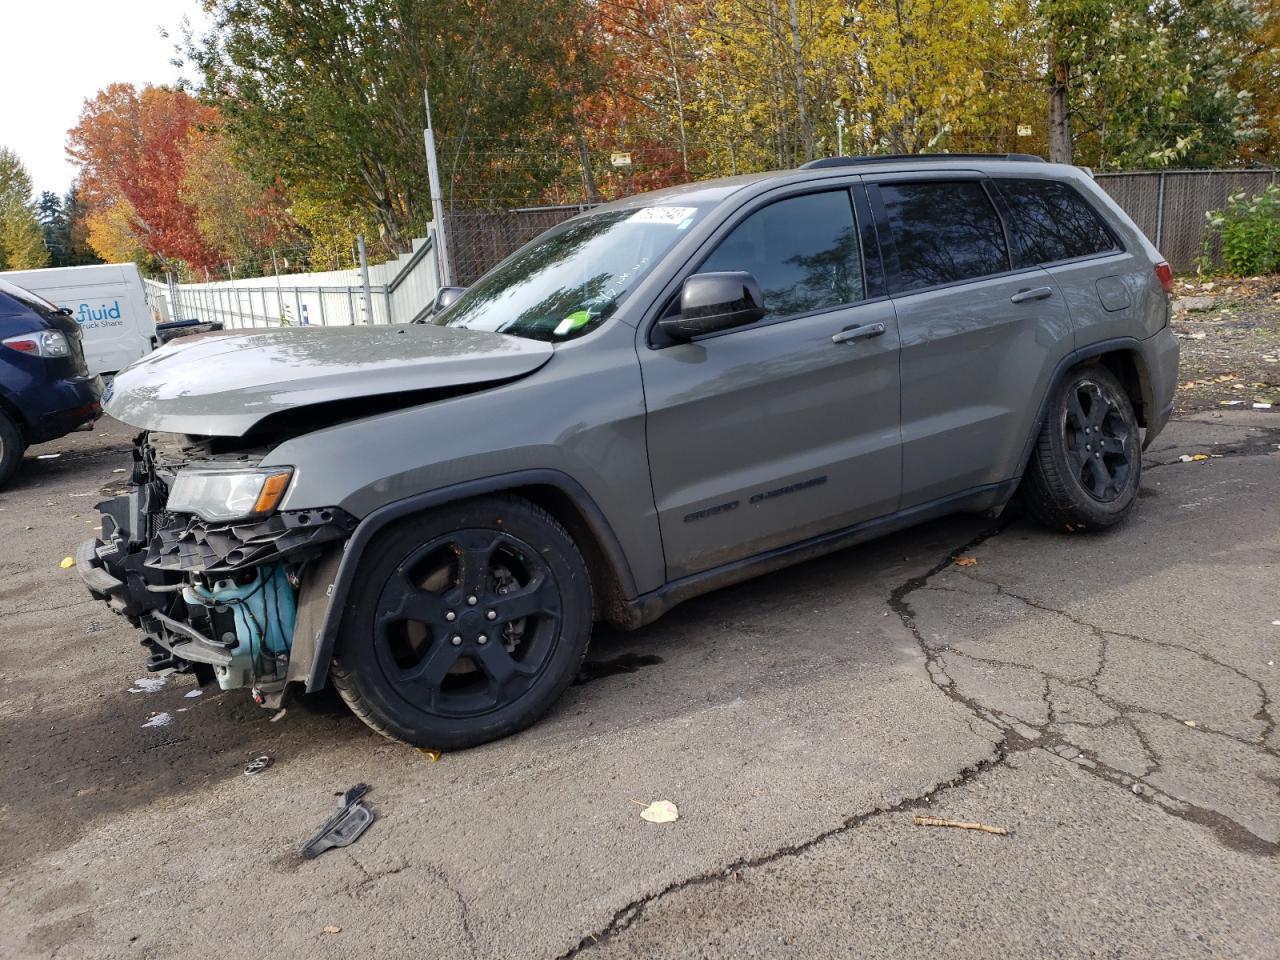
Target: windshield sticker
x=575, y=320
x=671, y=216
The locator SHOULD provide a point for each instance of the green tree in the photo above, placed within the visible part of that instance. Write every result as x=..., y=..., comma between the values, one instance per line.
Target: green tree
x=77, y=252
x=327, y=95
x=21, y=241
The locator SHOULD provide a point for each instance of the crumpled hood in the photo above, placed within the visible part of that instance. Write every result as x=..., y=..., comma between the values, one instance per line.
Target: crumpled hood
x=221, y=384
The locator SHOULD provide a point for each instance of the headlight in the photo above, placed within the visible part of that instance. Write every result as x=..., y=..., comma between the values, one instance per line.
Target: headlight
x=217, y=495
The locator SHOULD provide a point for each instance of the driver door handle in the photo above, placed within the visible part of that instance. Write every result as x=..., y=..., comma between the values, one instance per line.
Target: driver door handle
x=1034, y=293
x=858, y=333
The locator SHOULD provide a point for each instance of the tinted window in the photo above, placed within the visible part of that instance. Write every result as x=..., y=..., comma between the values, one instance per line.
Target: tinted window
x=1052, y=221
x=803, y=251
x=944, y=232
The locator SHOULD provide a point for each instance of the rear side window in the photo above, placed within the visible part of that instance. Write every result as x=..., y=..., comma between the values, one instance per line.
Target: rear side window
x=804, y=252
x=1051, y=221
x=944, y=232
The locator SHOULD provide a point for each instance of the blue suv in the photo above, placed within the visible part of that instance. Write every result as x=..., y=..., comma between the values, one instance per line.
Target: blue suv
x=45, y=388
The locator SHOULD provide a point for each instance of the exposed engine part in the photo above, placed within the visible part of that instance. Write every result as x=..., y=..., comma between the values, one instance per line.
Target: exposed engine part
x=262, y=605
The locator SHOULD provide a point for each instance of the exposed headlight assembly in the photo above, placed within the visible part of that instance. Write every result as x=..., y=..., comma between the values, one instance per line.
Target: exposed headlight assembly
x=220, y=495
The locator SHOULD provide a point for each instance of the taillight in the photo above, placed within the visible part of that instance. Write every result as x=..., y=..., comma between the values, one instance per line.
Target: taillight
x=1164, y=273
x=48, y=343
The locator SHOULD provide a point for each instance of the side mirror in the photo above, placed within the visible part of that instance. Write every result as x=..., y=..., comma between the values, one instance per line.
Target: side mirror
x=711, y=302
x=446, y=297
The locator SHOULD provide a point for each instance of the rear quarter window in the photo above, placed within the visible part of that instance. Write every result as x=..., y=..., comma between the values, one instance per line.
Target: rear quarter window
x=943, y=231
x=1051, y=221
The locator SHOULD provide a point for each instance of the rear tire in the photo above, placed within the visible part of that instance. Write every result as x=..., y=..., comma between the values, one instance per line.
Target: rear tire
x=1087, y=463
x=12, y=447
x=465, y=625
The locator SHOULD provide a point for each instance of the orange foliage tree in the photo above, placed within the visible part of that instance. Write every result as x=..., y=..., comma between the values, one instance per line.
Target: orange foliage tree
x=132, y=149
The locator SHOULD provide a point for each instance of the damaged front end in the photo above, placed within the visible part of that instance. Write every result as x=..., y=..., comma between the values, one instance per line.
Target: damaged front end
x=198, y=558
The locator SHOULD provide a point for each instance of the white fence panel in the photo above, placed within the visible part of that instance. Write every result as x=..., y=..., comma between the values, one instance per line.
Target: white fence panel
x=400, y=291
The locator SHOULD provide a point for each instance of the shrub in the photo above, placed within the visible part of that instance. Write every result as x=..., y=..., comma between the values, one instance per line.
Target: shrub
x=1249, y=229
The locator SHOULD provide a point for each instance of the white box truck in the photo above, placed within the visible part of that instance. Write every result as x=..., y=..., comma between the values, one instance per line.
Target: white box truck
x=109, y=303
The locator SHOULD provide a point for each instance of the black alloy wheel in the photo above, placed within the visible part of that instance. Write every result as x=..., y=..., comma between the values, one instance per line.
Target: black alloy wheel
x=465, y=624
x=1098, y=439
x=1087, y=463
x=468, y=622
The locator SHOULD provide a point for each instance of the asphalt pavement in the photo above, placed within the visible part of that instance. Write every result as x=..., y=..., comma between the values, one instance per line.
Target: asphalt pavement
x=1105, y=699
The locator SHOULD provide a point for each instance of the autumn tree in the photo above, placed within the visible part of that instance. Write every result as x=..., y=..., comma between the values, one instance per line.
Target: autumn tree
x=21, y=241
x=328, y=96
x=236, y=215
x=132, y=150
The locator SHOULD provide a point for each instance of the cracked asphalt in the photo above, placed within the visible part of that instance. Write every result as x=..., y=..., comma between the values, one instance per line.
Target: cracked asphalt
x=1107, y=699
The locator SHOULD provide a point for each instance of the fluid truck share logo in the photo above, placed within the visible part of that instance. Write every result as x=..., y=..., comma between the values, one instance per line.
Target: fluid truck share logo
x=104, y=316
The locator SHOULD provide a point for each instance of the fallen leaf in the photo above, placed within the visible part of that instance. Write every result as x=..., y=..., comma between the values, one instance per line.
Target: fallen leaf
x=1189, y=723
x=432, y=755
x=660, y=811
x=1190, y=457
x=332, y=929
x=966, y=561
x=67, y=563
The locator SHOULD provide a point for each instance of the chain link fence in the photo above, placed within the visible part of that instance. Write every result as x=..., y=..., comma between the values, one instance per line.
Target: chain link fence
x=1170, y=206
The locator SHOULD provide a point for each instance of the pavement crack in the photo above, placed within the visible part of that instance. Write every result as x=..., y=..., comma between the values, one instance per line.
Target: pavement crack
x=1264, y=714
x=628, y=915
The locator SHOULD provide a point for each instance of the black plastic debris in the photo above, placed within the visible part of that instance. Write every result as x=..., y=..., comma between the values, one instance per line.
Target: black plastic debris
x=344, y=827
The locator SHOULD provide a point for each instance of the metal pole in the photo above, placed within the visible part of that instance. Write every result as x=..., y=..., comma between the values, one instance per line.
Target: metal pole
x=364, y=278
x=275, y=265
x=1160, y=211
x=437, y=195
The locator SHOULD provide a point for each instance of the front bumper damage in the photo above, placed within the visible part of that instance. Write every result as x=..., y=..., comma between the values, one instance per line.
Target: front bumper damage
x=219, y=600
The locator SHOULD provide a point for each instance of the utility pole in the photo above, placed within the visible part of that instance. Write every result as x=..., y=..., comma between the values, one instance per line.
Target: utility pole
x=364, y=279
x=437, y=196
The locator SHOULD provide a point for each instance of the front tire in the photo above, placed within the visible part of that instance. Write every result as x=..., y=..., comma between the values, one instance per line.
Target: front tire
x=1087, y=464
x=12, y=447
x=467, y=624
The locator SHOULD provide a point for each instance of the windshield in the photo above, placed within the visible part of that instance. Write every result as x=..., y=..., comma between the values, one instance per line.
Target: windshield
x=570, y=280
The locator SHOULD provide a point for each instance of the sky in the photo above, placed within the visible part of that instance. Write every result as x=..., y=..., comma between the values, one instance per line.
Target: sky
x=58, y=53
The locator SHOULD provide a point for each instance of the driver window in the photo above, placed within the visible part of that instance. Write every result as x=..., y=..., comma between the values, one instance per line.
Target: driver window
x=803, y=251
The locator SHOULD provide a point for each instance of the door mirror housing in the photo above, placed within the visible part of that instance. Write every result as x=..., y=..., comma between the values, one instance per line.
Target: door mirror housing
x=446, y=297
x=711, y=302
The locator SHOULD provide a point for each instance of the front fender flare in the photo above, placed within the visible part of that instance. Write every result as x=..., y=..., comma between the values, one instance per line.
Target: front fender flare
x=323, y=600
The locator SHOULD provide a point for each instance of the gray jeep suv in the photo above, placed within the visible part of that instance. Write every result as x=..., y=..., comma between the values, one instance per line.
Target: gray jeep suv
x=656, y=398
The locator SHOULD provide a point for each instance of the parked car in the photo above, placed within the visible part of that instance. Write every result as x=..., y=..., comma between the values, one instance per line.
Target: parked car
x=109, y=303
x=46, y=391
x=659, y=397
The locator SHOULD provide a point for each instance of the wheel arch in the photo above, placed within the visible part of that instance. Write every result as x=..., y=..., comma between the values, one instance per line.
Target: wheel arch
x=10, y=408
x=556, y=492
x=1123, y=357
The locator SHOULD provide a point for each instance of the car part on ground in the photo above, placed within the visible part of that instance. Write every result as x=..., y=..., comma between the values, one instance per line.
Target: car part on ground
x=662, y=396
x=343, y=828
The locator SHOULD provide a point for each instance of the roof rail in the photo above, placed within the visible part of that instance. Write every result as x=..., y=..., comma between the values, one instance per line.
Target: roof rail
x=885, y=158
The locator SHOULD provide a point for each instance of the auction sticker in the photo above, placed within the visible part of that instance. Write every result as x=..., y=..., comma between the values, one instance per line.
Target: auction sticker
x=672, y=216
